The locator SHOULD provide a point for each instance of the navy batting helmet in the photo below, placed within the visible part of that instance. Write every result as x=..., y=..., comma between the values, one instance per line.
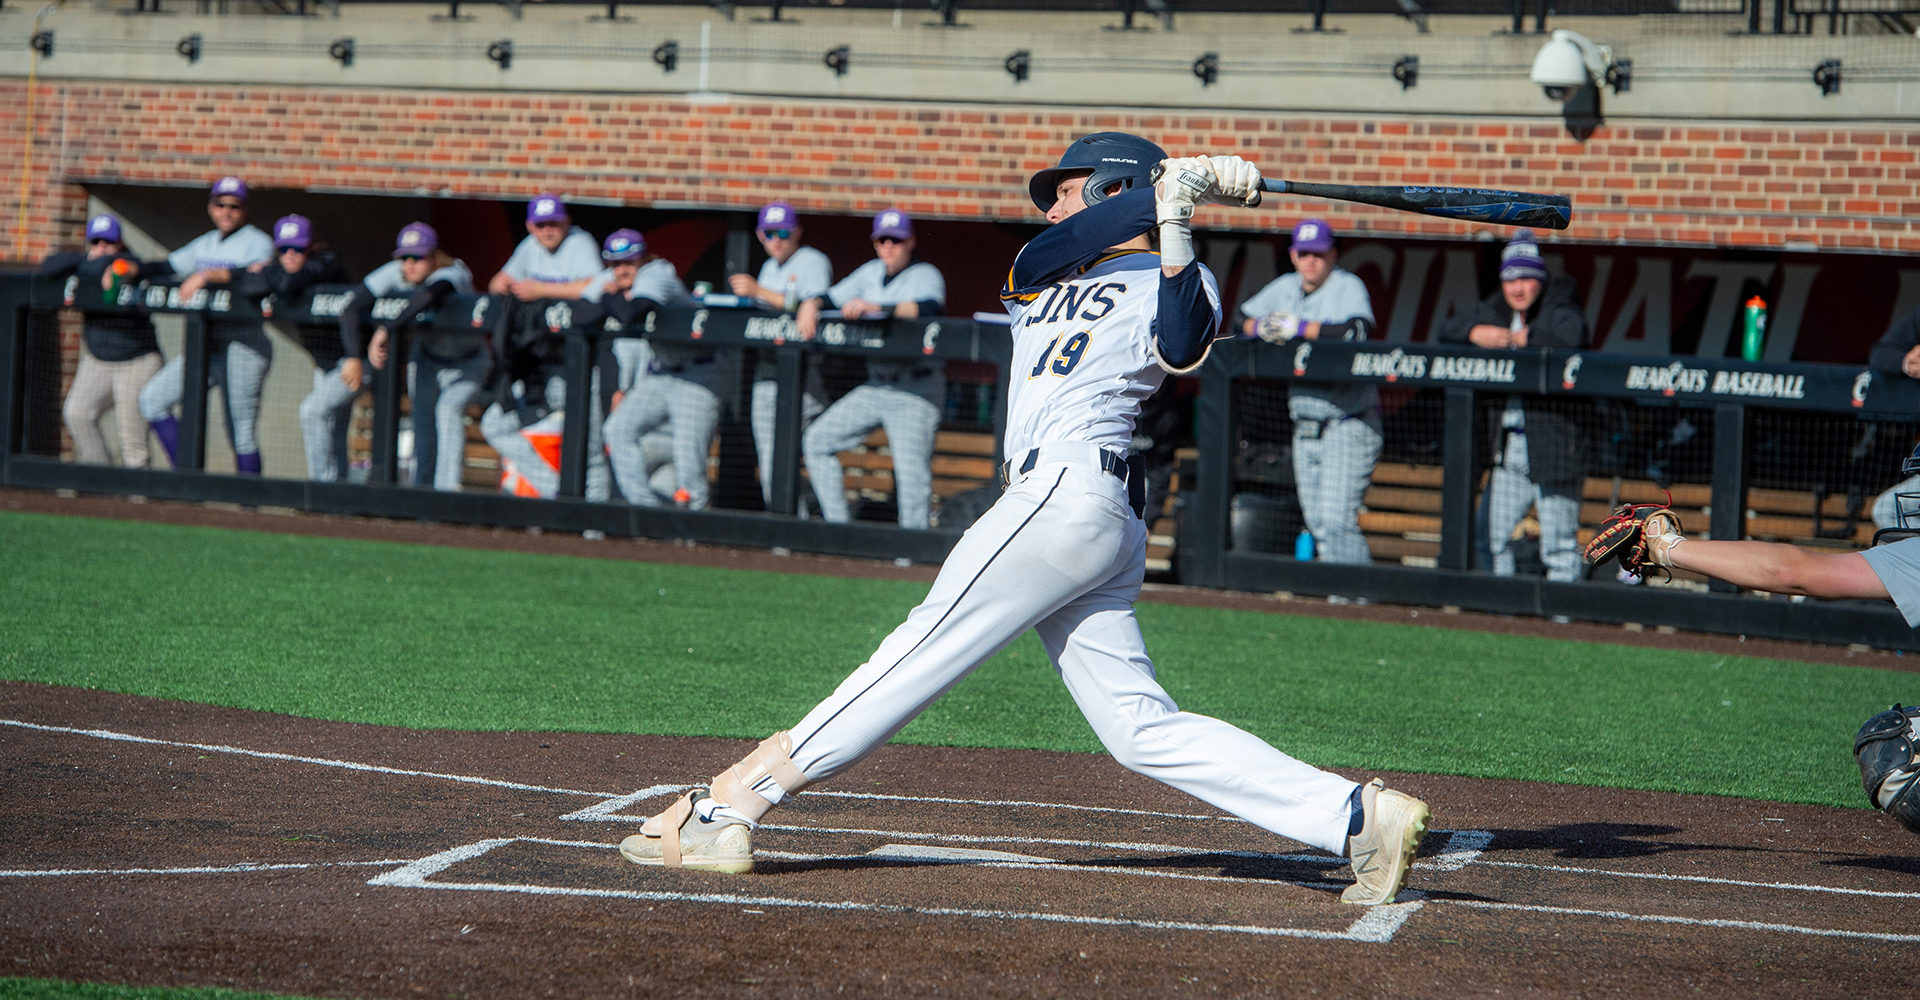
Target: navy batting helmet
x=1108, y=157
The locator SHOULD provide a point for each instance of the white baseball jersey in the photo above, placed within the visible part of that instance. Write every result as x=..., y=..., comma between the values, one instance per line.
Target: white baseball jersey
x=234, y=251
x=1083, y=354
x=917, y=282
x=1343, y=296
x=577, y=256
x=811, y=271
x=387, y=279
x=657, y=280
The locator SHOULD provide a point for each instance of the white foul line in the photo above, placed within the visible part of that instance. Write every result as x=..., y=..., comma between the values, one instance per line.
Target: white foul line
x=1702, y=878
x=244, y=866
x=1655, y=918
x=322, y=761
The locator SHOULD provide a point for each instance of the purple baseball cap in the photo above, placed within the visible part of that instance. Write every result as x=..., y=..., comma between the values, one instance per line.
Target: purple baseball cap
x=777, y=215
x=546, y=208
x=892, y=222
x=1313, y=236
x=229, y=187
x=294, y=231
x=417, y=239
x=624, y=244
x=1520, y=258
x=103, y=227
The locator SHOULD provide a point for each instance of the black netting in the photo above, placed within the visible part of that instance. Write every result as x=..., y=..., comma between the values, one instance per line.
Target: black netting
x=1814, y=478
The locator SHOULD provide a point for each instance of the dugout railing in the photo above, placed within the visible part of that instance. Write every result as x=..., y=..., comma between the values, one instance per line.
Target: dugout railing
x=1789, y=452
x=31, y=389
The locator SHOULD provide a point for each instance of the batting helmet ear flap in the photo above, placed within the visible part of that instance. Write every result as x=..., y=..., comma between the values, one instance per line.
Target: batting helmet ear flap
x=1106, y=158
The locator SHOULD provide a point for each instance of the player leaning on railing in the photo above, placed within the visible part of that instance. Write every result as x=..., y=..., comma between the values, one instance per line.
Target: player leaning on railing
x=1100, y=317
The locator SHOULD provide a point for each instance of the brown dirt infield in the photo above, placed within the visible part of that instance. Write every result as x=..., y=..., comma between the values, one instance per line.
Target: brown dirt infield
x=321, y=876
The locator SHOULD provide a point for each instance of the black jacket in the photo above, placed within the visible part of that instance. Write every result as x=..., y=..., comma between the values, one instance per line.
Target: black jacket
x=286, y=287
x=1557, y=445
x=1890, y=351
x=113, y=332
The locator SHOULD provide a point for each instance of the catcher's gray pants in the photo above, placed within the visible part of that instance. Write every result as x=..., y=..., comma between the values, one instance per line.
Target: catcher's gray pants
x=766, y=396
x=322, y=425
x=691, y=408
x=1333, y=463
x=238, y=367
x=502, y=429
x=911, y=423
x=1508, y=497
x=441, y=390
x=97, y=385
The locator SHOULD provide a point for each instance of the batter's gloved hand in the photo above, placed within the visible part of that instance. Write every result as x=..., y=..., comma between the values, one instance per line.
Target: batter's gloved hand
x=1184, y=181
x=1235, y=182
x=1276, y=328
x=1639, y=535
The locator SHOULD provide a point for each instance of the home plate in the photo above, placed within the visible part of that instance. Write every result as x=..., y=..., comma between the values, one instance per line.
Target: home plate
x=925, y=852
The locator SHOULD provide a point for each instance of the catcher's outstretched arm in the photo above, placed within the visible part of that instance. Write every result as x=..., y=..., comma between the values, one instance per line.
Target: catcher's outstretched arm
x=1782, y=569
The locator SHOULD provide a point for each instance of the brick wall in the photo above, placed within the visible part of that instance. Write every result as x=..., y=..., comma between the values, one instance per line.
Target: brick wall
x=1732, y=185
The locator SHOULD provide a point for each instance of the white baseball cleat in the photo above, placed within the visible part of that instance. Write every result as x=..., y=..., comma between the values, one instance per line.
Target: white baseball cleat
x=1383, y=849
x=679, y=838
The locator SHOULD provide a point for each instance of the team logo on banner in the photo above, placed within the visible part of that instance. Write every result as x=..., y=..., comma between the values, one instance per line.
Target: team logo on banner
x=1571, y=373
x=930, y=338
x=480, y=311
x=1860, y=384
x=559, y=317
x=1300, y=356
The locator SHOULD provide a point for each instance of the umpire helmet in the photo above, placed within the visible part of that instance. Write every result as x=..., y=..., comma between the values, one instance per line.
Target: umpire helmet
x=1106, y=157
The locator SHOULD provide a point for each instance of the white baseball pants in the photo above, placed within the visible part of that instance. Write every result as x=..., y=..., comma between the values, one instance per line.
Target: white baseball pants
x=1061, y=553
x=97, y=385
x=323, y=424
x=238, y=368
x=1333, y=460
x=766, y=397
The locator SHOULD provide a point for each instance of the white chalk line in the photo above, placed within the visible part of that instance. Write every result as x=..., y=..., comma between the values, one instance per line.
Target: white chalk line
x=1793, y=886
x=322, y=761
x=1372, y=927
x=1654, y=918
x=243, y=866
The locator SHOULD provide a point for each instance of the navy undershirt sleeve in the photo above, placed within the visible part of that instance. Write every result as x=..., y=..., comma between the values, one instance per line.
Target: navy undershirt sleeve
x=357, y=304
x=1186, y=321
x=1079, y=238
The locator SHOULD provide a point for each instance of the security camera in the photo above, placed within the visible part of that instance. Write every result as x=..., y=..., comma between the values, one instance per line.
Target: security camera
x=1569, y=62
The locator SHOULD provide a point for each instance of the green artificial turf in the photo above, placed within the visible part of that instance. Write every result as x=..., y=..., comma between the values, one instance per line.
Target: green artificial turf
x=449, y=638
x=54, y=989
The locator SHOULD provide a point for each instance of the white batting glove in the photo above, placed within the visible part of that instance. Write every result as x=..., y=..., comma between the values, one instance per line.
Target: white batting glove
x=1184, y=181
x=1276, y=328
x=1235, y=182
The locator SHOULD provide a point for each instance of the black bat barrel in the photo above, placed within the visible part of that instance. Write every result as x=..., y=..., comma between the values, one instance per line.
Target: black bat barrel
x=1502, y=208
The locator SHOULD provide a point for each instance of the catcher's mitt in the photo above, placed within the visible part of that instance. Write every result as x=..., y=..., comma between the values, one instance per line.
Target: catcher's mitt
x=1639, y=535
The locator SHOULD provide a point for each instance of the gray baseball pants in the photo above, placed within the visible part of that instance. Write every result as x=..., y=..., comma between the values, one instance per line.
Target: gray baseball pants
x=766, y=396
x=1333, y=461
x=1509, y=494
x=502, y=429
x=323, y=427
x=911, y=423
x=97, y=385
x=692, y=410
x=440, y=414
x=238, y=367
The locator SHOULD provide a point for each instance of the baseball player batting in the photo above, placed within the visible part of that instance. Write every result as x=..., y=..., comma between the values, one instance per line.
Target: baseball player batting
x=1105, y=304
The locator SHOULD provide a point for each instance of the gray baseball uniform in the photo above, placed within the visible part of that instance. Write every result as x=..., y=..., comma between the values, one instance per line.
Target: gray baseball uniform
x=904, y=397
x=680, y=386
x=1898, y=567
x=453, y=364
x=809, y=273
x=238, y=353
x=1336, y=426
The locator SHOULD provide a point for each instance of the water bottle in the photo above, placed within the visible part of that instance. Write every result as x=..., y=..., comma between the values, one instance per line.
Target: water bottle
x=117, y=274
x=1303, y=546
x=792, y=301
x=1754, y=340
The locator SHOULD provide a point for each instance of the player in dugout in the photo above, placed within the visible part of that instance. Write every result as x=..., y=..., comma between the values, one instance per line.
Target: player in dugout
x=118, y=349
x=905, y=397
x=299, y=263
x=793, y=273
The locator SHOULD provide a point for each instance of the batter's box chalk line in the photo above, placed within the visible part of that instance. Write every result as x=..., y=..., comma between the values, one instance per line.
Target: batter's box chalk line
x=1377, y=925
x=1463, y=847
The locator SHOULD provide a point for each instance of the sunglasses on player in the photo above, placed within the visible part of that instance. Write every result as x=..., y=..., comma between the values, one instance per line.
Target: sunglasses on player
x=103, y=243
x=888, y=239
x=289, y=249
x=777, y=234
x=410, y=259
x=230, y=206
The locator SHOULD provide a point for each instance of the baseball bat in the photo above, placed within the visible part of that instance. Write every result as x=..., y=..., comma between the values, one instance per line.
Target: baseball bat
x=1503, y=208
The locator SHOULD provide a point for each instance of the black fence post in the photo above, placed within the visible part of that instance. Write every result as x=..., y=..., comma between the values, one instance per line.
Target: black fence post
x=1779, y=16
x=578, y=373
x=384, y=450
x=1206, y=519
x=1457, y=481
x=193, y=395
x=1729, y=520
x=789, y=366
x=1753, y=16
x=12, y=382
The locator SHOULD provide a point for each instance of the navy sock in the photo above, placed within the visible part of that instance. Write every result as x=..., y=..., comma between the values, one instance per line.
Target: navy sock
x=1359, y=820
